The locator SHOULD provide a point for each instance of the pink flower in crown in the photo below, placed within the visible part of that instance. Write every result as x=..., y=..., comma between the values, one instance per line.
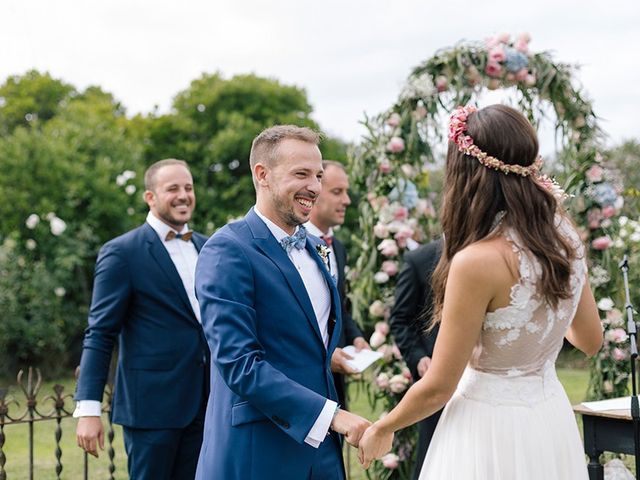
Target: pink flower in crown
x=595, y=174
x=521, y=75
x=497, y=54
x=601, y=243
x=465, y=141
x=395, y=145
x=493, y=69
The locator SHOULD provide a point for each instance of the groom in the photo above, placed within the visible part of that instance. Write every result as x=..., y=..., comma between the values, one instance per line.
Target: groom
x=271, y=315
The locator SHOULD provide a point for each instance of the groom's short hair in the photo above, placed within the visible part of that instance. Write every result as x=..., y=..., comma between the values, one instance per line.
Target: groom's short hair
x=264, y=148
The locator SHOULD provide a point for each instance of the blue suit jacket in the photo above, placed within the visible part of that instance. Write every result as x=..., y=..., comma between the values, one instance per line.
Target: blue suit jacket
x=271, y=372
x=139, y=299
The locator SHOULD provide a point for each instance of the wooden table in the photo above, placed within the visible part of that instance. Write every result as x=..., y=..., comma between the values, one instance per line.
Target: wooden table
x=610, y=430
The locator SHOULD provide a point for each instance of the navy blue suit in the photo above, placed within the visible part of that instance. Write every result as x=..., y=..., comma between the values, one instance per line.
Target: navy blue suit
x=271, y=371
x=139, y=299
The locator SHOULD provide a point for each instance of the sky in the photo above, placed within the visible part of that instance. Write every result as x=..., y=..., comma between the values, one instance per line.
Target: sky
x=351, y=56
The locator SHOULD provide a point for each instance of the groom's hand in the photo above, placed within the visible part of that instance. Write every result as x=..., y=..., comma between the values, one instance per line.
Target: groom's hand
x=90, y=434
x=350, y=425
x=339, y=362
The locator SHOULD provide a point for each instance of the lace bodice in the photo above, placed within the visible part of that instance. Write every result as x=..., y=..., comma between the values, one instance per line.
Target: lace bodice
x=525, y=337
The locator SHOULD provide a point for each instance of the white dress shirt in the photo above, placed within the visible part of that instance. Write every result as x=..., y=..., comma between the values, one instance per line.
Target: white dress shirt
x=184, y=256
x=320, y=297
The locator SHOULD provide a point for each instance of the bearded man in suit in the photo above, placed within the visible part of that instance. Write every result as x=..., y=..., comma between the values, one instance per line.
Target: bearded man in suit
x=143, y=297
x=272, y=316
x=328, y=212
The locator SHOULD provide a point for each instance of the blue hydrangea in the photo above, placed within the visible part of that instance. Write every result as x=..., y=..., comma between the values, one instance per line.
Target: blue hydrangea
x=515, y=60
x=604, y=193
x=407, y=193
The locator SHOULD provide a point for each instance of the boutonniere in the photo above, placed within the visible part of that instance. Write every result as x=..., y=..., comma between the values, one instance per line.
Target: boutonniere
x=323, y=251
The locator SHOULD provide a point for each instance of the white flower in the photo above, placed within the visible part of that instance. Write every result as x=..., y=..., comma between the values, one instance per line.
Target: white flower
x=58, y=226
x=60, y=291
x=130, y=189
x=32, y=221
x=623, y=221
x=635, y=237
x=381, y=277
x=121, y=180
x=50, y=215
x=605, y=304
x=30, y=244
x=129, y=174
x=377, y=339
x=130, y=211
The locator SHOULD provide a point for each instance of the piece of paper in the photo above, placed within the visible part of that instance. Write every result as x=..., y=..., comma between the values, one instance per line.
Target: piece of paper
x=362, y=359
x=621, y=403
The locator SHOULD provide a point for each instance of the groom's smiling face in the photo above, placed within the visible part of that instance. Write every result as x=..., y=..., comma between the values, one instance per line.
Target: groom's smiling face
x=293, y=183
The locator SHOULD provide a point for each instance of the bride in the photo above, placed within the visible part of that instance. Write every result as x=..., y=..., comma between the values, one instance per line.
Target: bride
x=516, y=285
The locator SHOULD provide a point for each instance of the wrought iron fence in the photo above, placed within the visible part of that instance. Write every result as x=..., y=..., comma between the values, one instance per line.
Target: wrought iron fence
x=25, y=408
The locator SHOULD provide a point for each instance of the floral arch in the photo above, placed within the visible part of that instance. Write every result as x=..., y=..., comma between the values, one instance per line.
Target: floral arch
x=395, y=171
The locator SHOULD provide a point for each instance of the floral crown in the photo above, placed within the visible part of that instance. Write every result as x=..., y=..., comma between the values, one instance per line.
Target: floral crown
x=457, y=129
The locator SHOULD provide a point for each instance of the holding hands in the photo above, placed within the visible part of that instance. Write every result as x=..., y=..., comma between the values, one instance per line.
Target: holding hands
x=375, y=443
x=350, y=425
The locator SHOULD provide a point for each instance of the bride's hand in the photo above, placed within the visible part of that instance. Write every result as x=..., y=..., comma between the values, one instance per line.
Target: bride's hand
x=374, y=444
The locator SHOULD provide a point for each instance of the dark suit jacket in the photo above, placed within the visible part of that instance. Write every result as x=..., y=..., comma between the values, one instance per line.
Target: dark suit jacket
x=272, y=372
x=408, y=323
x=350, y=330
x=413, y=294
x=139, y=299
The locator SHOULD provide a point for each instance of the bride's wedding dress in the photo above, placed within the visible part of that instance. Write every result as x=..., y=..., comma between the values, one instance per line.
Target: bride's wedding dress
x=510, y=418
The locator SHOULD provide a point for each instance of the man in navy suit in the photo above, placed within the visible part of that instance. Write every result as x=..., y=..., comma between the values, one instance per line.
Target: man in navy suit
x=271, y=315
x=143, y=296
x=328, y=212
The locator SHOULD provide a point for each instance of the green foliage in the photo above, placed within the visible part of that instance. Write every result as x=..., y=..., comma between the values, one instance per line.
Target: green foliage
x=72, y=170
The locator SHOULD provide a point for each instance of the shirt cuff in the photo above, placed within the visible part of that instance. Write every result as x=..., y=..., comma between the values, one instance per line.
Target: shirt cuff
x=320, y=428
x=87, y=408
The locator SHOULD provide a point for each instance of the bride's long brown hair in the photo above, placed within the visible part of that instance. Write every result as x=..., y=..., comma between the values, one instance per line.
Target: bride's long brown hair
x=475, y=194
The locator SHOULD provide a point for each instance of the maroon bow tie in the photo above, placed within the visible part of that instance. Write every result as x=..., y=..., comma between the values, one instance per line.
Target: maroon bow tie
x=182, y=236
x=328, y=239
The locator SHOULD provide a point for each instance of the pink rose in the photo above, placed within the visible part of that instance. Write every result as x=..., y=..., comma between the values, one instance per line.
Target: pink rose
x=384, y=166
x=402, y=235
x=497, y=54
x=380, y=230
x=594, y=217
x=395, y=145
x=601, y=243
x=504, y=37
x=618, y=354
x=389, y=267
x=382, y=380
x=398, y=384
x=491, y=42
x=398, y=356
x=382, y=327
x=493, y=69
x=390, y=461
x=595, y=174
x=376, y=309
x=441, y=83
x=377, y=339
x=394, y=119
x=510, y=77
x=608, y=211
x=521, y=75
x=522, y=47
x=401, y=213
x=388, y=248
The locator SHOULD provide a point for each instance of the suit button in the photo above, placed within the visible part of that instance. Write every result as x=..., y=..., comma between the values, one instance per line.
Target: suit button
x=285, y=425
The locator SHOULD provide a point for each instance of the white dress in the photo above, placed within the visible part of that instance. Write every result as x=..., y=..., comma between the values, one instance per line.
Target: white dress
x=510, y=418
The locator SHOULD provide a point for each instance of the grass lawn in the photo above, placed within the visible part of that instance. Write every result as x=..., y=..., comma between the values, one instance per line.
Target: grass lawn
x=17, y=450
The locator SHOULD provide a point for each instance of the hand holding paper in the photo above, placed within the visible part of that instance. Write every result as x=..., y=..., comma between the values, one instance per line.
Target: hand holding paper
x=361, y=360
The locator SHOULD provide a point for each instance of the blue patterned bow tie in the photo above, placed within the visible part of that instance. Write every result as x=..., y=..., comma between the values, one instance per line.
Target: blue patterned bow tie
x=297, y=240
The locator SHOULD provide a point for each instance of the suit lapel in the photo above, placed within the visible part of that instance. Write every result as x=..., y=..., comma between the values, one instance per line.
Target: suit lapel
x=267, y=243
x=162, y=258
x=333, y=291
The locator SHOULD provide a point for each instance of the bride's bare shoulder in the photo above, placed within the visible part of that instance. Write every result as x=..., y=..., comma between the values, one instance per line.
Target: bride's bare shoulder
x=485, y=258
